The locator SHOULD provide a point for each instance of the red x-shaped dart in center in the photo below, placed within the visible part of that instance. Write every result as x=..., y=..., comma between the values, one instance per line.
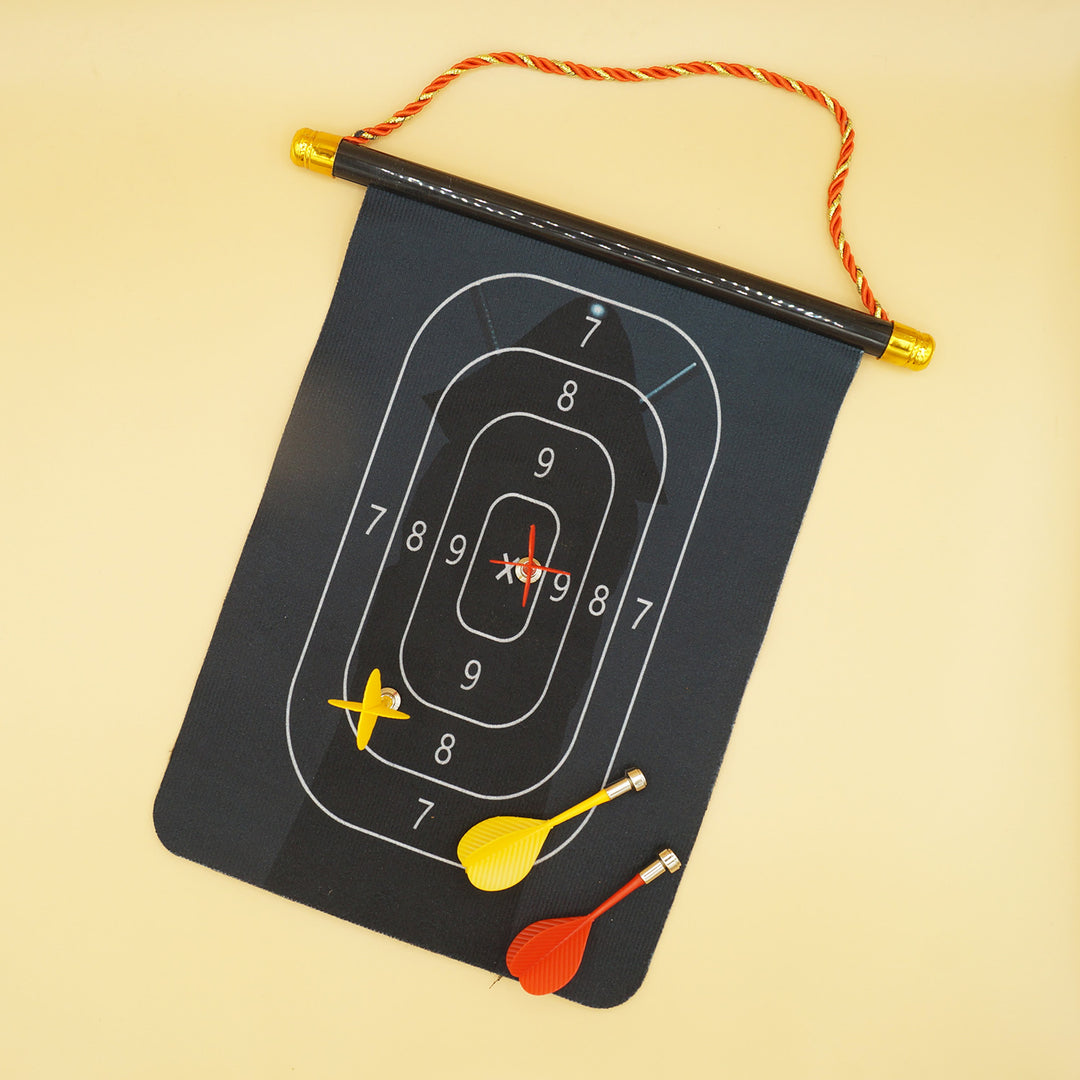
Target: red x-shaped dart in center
x=529, y=566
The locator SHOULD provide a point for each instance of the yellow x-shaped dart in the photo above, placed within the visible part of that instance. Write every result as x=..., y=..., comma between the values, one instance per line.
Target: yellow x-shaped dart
x=374, y=705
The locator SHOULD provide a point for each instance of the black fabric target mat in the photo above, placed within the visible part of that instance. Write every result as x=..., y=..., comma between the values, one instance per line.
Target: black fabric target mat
x=470, y=383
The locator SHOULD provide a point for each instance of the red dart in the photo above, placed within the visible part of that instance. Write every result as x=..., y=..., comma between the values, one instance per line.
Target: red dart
x=546, y=955
x=528, y=566
x=530, y=562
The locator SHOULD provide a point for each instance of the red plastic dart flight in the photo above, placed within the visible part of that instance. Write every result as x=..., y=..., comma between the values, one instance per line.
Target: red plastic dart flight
x=528, y=569
x=546, y=955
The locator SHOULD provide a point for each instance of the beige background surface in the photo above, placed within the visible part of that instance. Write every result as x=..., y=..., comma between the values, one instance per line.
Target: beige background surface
x=886, y=882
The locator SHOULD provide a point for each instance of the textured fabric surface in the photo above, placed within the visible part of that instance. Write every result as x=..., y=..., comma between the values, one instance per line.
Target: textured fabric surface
x=468, y=384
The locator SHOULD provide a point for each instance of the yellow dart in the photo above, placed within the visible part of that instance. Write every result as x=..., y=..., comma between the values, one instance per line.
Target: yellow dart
x=377, y=702
x=498, y=852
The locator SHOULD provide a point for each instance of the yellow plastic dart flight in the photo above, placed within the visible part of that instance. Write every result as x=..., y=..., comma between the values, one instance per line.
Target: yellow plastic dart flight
x=498, y=852
x=377, y=702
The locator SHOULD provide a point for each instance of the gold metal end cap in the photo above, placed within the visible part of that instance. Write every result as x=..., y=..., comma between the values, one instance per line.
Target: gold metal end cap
x=314, y=150
x=670, y=860
x=909, y=348
x=634, y=780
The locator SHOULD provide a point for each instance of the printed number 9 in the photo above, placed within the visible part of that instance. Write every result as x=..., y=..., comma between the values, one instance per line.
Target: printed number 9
x=472, y=675
x=560, y=586
x=545, y=459
x=458, y=544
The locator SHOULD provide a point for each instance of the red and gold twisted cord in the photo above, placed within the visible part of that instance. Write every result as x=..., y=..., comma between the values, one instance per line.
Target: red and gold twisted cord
x=670, y=71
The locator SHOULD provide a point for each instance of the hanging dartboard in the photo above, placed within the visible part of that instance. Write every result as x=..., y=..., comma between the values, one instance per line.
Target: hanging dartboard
x=521, y=540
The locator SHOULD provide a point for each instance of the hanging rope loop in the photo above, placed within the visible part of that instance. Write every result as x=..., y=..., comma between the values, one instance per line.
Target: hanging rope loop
x=671, y=71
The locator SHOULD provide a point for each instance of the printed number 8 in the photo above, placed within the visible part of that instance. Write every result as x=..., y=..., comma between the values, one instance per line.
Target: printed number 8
x=443, y=752
x=566, y=398
x=598, y=604
x=415, y=540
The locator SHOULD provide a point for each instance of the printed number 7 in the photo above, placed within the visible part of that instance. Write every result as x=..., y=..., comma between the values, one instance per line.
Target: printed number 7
x=379, y=511
x=428, y=804
x=592, y=329
x=646, y=607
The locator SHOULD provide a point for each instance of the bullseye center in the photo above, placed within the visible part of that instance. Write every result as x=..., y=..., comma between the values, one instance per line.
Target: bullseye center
x=519, y=570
